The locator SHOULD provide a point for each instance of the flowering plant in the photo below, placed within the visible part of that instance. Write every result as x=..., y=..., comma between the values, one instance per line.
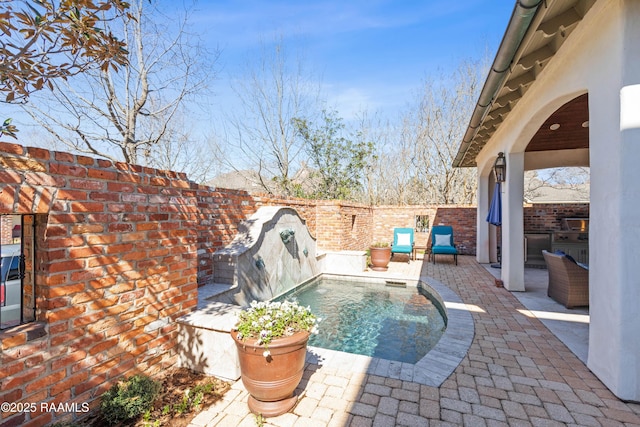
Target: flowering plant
x=267, y=320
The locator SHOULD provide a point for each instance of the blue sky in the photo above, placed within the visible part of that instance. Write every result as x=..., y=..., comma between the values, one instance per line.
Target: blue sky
x=370, y=54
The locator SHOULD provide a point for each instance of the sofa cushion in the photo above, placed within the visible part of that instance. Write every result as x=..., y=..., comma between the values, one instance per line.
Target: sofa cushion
x=569, y=257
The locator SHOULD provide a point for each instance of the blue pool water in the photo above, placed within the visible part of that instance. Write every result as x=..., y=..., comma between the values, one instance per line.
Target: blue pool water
x=372, y=319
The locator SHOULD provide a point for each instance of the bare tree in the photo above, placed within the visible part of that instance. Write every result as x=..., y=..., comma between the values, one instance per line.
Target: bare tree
x=415, y=155
x=127, y=116
x=568, y=183
x=401, y=184
x=185, y=152
x=436, y=128
x=274, y=91
x=388, y=169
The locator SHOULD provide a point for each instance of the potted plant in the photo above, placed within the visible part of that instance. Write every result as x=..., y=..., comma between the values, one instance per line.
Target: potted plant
x=271, y=338
x=380, y=253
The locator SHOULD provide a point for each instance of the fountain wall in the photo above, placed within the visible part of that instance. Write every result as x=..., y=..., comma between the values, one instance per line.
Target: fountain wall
x=272, y=253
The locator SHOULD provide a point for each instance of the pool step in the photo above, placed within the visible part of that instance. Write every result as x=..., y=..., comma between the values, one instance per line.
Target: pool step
x=395, y=283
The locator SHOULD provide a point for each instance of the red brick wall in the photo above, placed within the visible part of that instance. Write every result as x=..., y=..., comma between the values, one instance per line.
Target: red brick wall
x=219, y=212
x=463, y=221
x=548, y=217
x=343, y=226
x=6, y=226
x=461, y=218
x=115, y=263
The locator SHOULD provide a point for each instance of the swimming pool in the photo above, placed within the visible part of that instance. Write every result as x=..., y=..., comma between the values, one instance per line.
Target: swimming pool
x=392, y=320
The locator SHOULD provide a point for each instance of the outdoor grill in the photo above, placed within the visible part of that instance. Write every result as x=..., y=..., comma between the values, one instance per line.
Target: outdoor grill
x=573, y=230
x=573, y=239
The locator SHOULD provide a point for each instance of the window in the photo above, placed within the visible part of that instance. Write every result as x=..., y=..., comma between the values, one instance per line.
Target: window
x=422, y=223
x=17, y=298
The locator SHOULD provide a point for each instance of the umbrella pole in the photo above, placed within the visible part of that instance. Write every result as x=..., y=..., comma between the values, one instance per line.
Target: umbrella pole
x=499, y=264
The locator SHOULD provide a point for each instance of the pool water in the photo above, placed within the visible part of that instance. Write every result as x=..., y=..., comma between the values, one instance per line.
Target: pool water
x=372, y=319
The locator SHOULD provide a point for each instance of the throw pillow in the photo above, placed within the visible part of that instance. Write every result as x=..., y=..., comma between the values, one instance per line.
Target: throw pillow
x=443, y=239
x=404, y=239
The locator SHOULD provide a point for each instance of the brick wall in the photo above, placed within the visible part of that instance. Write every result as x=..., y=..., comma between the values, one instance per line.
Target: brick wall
x=463, y=221
x=115, y=262
x=548, y=217
x=6, y=227
x=461, y=218
x=219, y=213
x=343, y=226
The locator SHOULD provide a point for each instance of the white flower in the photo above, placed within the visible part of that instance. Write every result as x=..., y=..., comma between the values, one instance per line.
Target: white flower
x=268, y=320
x=266, y=353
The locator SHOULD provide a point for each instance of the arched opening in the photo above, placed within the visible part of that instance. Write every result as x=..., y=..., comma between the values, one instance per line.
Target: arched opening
x=557, y=185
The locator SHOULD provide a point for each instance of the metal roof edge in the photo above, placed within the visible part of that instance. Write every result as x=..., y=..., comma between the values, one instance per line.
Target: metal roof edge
x=523, y=13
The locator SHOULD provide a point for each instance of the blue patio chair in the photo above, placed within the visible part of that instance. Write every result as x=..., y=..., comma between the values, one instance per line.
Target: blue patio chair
x=442, y=242
x=402, y=242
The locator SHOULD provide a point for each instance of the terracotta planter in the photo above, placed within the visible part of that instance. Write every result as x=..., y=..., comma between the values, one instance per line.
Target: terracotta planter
x=380, y=258
x=272, y=380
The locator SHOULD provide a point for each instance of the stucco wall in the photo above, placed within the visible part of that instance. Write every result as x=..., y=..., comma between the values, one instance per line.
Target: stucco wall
x=601, y=58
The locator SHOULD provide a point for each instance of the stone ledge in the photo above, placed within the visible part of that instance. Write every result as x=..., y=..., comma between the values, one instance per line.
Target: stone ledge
x=204, y=343
x=342, y=262
x=215, y=316
x=22, y=334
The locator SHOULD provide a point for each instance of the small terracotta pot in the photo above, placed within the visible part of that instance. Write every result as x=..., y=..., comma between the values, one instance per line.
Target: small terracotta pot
x=272, y=380
x=380, y=258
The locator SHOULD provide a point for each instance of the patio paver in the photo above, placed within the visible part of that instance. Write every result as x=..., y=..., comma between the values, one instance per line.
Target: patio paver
x=516, y=373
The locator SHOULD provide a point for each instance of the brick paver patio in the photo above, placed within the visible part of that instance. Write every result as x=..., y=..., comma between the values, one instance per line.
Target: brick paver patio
x=516, y=373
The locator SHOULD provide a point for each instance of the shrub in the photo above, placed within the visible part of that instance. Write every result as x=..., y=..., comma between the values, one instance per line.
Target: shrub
x=129, y=398
x=380, y=245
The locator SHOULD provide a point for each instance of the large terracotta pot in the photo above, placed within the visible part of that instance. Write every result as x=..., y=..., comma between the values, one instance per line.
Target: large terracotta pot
x=380, y=258
x=272, y=380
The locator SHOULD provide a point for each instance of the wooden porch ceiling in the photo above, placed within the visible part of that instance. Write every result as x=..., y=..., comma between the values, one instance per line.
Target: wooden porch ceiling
x=573, y=131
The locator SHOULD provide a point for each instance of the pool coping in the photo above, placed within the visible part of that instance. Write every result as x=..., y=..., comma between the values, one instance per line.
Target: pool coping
x=435, y=367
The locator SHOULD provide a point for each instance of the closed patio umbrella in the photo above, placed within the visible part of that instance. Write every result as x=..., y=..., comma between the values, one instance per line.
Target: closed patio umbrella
x=495, y=210
x=495, y=214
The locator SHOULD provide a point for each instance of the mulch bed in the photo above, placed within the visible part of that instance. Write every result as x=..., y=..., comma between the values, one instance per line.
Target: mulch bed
x=174, y=386
x=169, y=408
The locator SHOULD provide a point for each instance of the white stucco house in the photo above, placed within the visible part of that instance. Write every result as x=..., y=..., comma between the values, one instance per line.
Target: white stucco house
x=564, y=90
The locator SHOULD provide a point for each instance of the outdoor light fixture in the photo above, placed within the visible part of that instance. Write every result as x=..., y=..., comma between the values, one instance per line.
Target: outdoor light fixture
x=500, y=168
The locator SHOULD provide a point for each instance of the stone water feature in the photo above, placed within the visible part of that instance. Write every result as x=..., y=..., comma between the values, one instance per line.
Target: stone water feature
x=272, y=253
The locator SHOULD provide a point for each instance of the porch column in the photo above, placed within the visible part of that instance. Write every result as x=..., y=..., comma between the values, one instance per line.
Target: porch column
x=614, y=229
x=512, y=224
x=482, y=226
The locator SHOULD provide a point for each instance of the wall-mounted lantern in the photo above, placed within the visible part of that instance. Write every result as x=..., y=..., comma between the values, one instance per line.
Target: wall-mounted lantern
x=500, y=168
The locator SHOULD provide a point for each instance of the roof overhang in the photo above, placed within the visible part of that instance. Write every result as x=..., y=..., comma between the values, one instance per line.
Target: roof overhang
x=536, y=31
